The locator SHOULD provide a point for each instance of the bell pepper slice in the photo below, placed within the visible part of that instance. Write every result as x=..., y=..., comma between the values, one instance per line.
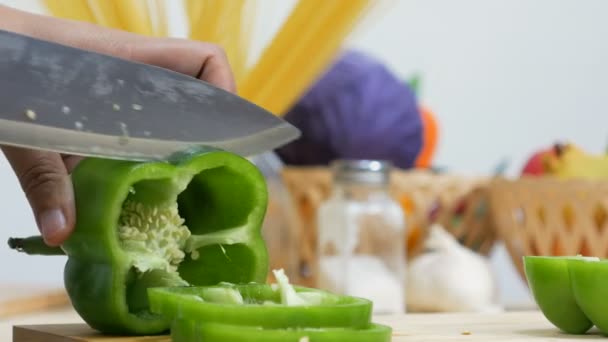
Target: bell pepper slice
x=549, y=281
x=193, y=220
x=260, y=305
x=192, y=331
x=588, y=279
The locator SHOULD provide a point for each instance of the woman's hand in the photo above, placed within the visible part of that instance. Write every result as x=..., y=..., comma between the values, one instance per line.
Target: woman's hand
x=44, y=176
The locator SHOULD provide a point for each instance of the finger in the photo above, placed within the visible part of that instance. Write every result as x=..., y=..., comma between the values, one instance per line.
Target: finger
x=216, y=70
x=70, y=161
x=204, y=61
x=47, y=186
x=197, y=59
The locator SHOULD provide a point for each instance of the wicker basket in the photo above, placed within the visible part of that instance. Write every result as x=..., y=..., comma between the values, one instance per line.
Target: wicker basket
x=419, y=192
x=548, y=216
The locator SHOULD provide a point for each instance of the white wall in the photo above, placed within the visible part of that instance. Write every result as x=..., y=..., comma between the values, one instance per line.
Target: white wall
x=504, y=77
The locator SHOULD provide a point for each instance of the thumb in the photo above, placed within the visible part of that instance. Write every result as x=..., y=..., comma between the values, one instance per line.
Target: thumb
x=48, y=188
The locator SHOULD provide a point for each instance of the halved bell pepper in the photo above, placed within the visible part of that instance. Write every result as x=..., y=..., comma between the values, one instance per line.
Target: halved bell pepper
x=549, y=282
x=194, y=220
x=588, y=278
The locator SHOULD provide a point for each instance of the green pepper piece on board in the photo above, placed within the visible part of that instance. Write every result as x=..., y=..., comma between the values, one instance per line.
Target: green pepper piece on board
x=588, y=278
x=260, y=305
x=194, y=220
x=549, y=282
x=192, y=331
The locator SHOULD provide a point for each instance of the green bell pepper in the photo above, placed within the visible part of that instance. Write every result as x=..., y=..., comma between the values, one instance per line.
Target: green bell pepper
x=259, y=305
x=549, y=281
x=193, y=220
x=191, y=331
x=262, y=312
x=588, y=280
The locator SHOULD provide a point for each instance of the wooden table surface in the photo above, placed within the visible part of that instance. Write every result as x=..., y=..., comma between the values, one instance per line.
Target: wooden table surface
x=22, y=299
x=510, y=326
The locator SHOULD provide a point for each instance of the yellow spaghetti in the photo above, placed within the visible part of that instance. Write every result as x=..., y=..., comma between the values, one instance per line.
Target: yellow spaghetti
x=300, y=51
x=75, y=9
x=134, y=16
x=193, y=9
x=159, y=11
x=280, y=78
x=221, y=22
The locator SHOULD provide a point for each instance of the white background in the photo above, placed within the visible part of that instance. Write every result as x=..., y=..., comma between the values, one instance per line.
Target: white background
x=504, y=78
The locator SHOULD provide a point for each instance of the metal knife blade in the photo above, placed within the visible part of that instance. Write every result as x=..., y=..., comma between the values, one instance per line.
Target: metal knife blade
x=68, y=100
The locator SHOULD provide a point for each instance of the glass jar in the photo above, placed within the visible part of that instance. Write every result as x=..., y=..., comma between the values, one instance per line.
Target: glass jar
x=279, y=235
x=361, y=236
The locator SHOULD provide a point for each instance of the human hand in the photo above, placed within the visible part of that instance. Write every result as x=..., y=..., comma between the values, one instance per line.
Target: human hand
x=44, y=176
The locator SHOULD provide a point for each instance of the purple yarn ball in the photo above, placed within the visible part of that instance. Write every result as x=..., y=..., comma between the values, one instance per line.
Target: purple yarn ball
x=357, y=110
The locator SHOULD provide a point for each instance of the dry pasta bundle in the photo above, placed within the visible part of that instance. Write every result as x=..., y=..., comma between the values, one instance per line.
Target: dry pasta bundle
x=302, y=48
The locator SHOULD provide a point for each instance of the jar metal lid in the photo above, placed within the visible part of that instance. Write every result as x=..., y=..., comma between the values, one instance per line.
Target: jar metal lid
x=362, y=171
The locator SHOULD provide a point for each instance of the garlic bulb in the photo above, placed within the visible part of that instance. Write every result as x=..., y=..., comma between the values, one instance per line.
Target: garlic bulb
x=450, y=278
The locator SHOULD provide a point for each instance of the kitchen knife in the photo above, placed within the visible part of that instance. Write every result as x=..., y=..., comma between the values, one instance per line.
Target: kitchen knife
x=62, y=99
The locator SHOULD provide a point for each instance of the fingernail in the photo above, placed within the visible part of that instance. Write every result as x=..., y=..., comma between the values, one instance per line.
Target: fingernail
x=51, y=222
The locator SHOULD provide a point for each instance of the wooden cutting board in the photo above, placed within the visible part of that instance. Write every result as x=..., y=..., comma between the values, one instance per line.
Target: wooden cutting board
x=512, y=327
x=72, y=332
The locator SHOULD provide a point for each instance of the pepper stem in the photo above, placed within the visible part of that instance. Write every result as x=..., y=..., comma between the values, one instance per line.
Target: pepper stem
x=34, y=245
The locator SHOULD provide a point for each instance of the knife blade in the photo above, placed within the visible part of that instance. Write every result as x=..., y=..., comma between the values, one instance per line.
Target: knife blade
x=67, y=100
